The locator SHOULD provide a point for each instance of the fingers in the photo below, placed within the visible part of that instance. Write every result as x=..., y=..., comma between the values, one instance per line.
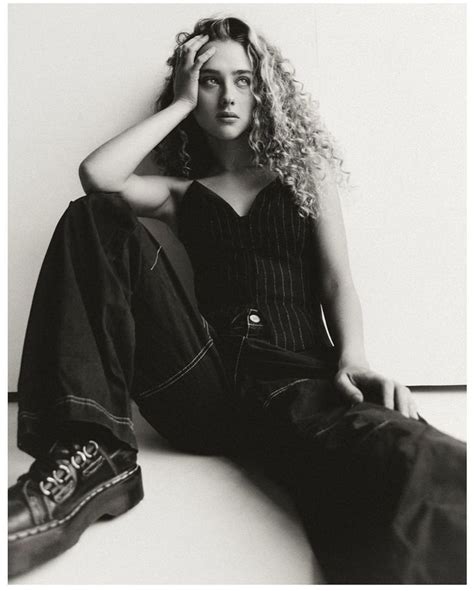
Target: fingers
x=413, y=409
x=347, y=388
x=190, y=47
x=395, y=396
x=199, y=61
x=404, y=401
x=388, y=394
x=402, y=395
x=357, y=385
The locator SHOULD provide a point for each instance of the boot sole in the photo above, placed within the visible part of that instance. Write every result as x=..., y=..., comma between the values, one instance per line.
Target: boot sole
x=31, y=547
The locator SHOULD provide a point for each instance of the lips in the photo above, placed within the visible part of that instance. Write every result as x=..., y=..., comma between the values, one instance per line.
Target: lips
x=227, y=115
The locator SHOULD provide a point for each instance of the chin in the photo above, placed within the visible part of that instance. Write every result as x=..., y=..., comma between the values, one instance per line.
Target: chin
x=225, y=133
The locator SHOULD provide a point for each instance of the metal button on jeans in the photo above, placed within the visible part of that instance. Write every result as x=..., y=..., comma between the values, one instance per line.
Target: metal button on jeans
x=254, y=318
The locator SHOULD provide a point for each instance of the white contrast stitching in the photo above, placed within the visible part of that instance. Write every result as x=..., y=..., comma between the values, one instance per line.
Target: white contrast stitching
x=178, y=375
x=376, y=428
x=42, y=528
x=276, y=392
x=237, y=362
x=85, y=401
x=156, y=258
x=31, y=415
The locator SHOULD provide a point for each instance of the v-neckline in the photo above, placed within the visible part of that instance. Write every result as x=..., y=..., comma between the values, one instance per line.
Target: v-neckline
x=255, y=199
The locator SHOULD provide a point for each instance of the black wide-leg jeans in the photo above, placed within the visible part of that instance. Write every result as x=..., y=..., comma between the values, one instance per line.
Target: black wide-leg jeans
x=382, y=497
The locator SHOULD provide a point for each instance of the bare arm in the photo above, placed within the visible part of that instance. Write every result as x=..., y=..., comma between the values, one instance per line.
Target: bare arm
x=339, y=298
x=110, y=168
x=343, y=314
x=111, y=164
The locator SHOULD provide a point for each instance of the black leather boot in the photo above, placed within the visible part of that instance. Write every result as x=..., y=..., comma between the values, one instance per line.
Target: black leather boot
x=62, y=494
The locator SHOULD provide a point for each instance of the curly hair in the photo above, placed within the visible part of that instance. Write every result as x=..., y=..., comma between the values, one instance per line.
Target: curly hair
x=286, y=135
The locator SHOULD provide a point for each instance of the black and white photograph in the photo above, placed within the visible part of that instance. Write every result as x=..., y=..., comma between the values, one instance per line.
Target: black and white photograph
x=237, y=293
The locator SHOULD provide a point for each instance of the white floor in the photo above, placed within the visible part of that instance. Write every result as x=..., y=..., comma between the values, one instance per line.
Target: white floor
x=202, y=521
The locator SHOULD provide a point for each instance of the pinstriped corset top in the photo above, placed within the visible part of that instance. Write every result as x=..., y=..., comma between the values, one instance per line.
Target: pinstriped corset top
x=263, y=262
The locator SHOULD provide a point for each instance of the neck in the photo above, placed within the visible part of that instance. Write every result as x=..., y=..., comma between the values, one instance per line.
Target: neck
x=231, y=155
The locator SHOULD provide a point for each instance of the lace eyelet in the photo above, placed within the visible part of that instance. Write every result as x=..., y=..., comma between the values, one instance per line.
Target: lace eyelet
x=66, y=469
x=95, y=449
x=44, y=490
x=56, y=477
x=62, y=472
x=75, y=462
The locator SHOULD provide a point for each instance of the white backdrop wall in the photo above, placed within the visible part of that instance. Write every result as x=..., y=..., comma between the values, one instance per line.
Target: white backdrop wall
x=391, y=85
x=392, y=90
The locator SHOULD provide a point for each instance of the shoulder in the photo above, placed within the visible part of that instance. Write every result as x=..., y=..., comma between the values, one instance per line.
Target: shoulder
x=327, y=172
x=328, y=196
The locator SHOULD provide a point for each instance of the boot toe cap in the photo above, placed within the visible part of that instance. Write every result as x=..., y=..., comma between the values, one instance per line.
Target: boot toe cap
x=19, y=514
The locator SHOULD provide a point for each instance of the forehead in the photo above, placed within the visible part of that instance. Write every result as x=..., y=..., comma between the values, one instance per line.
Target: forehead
x=229, y=56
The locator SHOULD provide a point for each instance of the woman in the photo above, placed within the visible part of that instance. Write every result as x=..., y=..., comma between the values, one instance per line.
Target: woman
x=242, y=366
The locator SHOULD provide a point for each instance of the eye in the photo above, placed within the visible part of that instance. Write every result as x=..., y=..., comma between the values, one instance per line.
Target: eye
x=245, y=79
x=207, y=80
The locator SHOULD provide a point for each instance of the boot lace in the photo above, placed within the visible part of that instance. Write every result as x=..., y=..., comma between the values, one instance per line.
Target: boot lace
x=53, y=474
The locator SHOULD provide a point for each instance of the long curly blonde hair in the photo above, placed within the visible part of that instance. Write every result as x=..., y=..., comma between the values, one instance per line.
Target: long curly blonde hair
x=286, y=134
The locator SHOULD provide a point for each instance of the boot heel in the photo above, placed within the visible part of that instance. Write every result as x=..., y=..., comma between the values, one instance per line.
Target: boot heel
x=131, y=494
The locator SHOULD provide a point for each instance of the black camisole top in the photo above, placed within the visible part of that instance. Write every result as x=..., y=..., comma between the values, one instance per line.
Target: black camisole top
x=263, y=261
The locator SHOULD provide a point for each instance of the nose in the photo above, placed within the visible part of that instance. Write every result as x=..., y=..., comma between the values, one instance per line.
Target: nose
x=226, y=97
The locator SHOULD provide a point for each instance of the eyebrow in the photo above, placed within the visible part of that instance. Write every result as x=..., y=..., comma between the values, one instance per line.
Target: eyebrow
x=211, y=71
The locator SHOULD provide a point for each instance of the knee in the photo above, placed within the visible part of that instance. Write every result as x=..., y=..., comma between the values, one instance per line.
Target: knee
x=102, y=209
x=98, y=201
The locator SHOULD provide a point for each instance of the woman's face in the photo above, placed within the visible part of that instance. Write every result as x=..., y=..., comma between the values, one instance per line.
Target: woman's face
x=224, y=85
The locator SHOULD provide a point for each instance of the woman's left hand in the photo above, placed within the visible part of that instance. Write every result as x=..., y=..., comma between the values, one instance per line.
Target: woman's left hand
x=358, y=383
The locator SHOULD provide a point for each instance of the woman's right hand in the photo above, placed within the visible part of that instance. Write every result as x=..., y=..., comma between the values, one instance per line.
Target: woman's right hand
x=188, y=66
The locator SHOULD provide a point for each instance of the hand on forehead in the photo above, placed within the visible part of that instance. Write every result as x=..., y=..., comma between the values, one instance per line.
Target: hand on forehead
x=228, y=53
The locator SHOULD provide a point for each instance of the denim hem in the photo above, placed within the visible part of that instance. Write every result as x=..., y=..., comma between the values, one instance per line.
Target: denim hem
x=80, y=401
x=37, y=434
